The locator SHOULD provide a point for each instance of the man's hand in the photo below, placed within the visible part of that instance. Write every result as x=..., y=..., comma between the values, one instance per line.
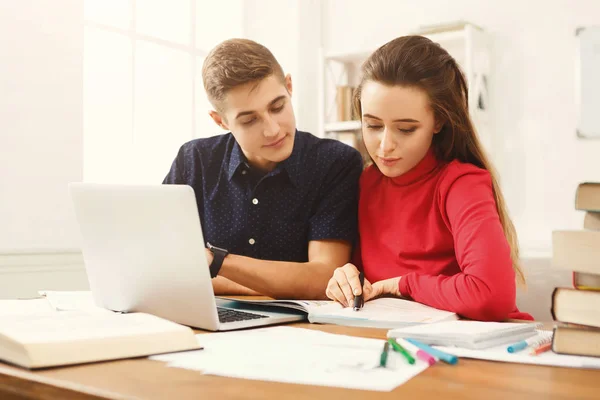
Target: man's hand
x=209, y=256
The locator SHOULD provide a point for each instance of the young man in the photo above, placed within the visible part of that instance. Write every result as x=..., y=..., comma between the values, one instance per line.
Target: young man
x=278, y=206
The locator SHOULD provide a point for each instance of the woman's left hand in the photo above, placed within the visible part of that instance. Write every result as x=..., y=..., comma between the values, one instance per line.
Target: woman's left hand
x=385, y=287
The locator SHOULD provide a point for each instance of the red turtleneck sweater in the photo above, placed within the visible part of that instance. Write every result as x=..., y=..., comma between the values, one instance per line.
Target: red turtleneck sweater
x=437, y=227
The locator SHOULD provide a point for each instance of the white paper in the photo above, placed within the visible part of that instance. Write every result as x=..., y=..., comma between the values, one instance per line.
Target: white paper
x=73, y=300
x=499, y=353
x=296, y=355
x=25, y=307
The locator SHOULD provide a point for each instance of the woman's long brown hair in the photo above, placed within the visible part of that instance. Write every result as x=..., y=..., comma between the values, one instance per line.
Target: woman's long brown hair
x=415, y=61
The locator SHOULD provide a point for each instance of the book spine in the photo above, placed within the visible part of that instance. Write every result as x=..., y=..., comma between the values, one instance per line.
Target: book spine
x=553, y=305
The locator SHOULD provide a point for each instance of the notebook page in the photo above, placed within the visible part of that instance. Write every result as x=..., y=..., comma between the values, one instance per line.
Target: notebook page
x=25, y=307
x=73, y=300
x=80, y=325
x=388, y=309
x=301, y=305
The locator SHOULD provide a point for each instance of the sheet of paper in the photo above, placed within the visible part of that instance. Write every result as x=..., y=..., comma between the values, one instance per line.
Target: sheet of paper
x=295, y=355
x=499, y=353
x=388, y=309
x=25, y=307
x=72, y=300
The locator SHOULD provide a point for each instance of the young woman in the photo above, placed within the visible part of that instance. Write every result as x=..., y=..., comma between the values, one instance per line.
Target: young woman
x=432, y=220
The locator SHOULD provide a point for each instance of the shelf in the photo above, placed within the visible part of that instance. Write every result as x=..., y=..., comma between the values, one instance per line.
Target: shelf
x=443, y=37
x=360, y=56
x=342, y=126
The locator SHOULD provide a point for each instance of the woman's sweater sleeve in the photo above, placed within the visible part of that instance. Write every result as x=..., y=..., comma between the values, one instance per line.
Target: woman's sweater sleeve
x=485, y=289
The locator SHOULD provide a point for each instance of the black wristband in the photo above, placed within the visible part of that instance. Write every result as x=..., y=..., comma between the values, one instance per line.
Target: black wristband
x=217, y=262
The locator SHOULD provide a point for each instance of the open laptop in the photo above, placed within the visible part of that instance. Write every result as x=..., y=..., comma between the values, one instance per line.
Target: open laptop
x=144, y=252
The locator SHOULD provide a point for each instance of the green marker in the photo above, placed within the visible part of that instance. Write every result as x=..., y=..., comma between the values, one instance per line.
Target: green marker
x=384, y=355
x=396, y=346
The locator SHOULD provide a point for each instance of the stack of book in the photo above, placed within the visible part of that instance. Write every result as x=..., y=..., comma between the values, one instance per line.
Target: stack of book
x=344, y=103
x=577, y=309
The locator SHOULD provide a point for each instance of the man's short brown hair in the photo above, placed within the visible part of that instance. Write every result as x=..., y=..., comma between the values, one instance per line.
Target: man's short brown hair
x=236, y=62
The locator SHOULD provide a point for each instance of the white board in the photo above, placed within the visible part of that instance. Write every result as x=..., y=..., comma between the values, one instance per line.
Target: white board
x=588, y=82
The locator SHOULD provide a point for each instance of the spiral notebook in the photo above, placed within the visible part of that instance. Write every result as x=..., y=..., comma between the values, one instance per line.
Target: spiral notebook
x=468, y=334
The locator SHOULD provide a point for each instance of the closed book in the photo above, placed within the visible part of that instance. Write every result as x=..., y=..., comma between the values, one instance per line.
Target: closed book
x=576, y=340
x=341, y=103
x=576, y=250
x=344, y=103
x=591, y=220
x=576, y=306
x=587, y=196
x=586, y=281
x=467, y=334
x=76, y=337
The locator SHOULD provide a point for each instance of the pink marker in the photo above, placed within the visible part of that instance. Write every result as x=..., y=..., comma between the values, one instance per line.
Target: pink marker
x=421, y=354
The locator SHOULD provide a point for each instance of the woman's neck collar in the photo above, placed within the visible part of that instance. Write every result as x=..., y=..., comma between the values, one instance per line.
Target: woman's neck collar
x=423, y=168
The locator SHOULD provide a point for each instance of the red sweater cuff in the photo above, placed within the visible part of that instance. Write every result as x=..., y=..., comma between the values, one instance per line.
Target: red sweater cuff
x=403, y=287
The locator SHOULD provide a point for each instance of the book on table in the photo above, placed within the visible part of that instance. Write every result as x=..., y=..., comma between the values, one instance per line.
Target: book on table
x=40, y=340
x=577, y=340
x=378, y=313
x=468, y=334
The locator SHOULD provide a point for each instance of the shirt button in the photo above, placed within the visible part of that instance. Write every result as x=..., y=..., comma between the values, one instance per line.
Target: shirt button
x=255, y=201
x=244, y=172
x=251, y=241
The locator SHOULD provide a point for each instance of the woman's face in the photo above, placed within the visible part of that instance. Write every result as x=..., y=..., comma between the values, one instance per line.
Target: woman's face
x=398, y=125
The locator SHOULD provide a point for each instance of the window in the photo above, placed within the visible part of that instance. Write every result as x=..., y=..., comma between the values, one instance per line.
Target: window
x=143, y=93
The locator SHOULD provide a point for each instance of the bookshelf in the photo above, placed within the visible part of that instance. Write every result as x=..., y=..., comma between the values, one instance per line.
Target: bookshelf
x=467, y=43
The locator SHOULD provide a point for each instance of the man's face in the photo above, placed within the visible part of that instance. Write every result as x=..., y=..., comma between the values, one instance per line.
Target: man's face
x=261, y=118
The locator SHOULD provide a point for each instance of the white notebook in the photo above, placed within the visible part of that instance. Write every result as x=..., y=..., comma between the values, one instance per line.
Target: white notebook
x=467, y=334
x=378, y=313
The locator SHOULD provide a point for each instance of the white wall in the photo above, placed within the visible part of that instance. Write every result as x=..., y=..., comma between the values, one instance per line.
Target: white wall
x=533, y=93
x=41, y=106
x=291, y=30
x=41, y=45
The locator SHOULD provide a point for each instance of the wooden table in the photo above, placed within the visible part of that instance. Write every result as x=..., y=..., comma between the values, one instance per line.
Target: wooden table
x=146, y=379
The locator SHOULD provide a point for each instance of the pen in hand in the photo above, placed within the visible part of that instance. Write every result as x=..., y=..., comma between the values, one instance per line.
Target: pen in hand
x=359, y=300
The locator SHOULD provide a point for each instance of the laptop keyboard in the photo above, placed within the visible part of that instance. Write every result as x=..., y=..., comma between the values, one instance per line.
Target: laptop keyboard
x=229, y=315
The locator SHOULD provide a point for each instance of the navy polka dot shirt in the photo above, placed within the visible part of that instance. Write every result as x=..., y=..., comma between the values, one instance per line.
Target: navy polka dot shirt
x=313, y=195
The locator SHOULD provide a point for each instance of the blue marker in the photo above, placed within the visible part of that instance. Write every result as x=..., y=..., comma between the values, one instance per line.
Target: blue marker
x=513, y=348
x=448, y=358
x=542, y=337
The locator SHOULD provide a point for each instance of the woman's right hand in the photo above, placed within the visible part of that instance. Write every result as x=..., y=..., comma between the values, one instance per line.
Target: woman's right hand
x=344, y=285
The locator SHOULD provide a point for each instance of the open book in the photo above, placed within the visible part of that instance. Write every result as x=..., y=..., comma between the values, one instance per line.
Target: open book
x=379, y=313
x=74, y=337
